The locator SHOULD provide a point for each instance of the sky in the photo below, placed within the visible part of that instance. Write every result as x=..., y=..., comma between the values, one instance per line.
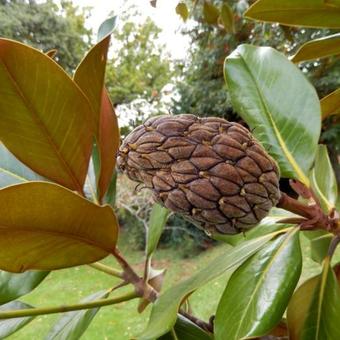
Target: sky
x=163, y=15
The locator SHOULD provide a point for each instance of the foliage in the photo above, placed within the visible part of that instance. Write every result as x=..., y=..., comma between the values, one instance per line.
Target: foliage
x=139, y=68
x=63, y=129
x=46, y=27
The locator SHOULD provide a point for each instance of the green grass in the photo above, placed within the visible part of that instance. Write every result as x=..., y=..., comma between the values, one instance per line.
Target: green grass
x=121, y=322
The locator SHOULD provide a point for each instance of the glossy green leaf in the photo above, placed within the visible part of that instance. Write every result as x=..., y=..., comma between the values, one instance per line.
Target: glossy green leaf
x=12, y=286
x=12, y=171
x=45, y=118
x=164, y=312
x=187, y=330
x=90, y=77
x=106, y=28
x=311, y=13
x=182, y=10
x=10, y=326
x=210, y=13
x=111, y=193
x=319, y=247
x=227, y=18
x=276, y=100
x=158, y=218
x=318, y=48
x=72, y=325
x=323, y=179
x=258, y=292
x=45, y=226
x=313, y=312
x=330, y=105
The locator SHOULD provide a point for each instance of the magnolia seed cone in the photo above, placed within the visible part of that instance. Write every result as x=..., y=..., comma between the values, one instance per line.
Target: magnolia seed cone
x=212, y=171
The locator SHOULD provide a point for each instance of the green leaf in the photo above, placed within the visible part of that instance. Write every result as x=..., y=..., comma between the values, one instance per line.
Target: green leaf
x=258, y=292
x=45, y=226
x=313, y=312
x=45, y=118
x=187, y=330
x=330, y=105
x=182, y=10
x=106, y=28
x=227, y=18
x=210, y=13
x=90, y=76
x=111, y=193
x=158, y=218
x=311, y=13
x=318, y=48
x=164, y=312
x=72, y=325
x=10, y=326
x=323, y=180
x=12, y=286
x=12, y=171
x=276, y=100
x=319, y=247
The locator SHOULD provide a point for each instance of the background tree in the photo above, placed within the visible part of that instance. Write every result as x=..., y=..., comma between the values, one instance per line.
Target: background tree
x=46, y=26
x=140, y=68
x=138, y=71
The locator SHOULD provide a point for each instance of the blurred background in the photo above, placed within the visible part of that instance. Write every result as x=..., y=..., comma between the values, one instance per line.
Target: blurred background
x=162, y=62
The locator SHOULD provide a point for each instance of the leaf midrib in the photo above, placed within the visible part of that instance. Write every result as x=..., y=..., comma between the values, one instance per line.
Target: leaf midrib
x=301, y=176
x=43, y=128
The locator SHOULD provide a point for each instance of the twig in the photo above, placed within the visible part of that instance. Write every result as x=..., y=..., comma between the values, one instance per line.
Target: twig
x=69, y=308
x=106, y=269
x=143, y=289
x=200, y=323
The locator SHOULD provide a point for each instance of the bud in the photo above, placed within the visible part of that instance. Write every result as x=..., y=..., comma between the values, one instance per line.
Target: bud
x=212, y=171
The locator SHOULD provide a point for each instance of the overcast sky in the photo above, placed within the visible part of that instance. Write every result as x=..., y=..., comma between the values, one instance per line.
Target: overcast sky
x=164, y=16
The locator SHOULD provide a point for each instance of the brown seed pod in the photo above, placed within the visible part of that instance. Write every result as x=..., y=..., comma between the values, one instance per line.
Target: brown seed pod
x=212, y=171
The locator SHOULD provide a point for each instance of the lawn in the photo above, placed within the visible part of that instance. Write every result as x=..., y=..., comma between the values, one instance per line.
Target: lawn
x=122, y=321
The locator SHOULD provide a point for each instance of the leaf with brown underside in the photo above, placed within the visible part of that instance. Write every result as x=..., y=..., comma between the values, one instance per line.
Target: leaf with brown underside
x=90, y=76
x=45, y=226
x=330, y=105
x=45, y=118
x=108, y=144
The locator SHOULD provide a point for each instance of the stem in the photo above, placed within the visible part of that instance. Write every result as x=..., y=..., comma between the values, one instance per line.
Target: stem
x=106, y=269
x=143, y=289
x=69, y=308
x=290, y=204
x=200, y=323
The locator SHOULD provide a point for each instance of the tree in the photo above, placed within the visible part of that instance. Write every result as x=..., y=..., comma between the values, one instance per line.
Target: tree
x=140, y=68
x=46, y=27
